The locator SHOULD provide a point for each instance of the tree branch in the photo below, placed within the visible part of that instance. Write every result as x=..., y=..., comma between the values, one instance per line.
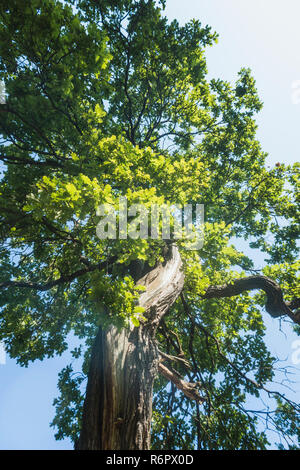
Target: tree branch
x=189, y=389
x=7, y=159
x=163, y=285
x=275, y=304
x=257, y=385
x=175, y=358
x=62, y=280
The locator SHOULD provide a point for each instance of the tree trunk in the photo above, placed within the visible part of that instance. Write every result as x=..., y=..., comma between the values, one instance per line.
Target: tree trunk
x=118, y=405
x=117, y=410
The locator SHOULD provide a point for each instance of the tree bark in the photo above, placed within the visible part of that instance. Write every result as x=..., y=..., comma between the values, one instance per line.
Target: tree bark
x=117, y=410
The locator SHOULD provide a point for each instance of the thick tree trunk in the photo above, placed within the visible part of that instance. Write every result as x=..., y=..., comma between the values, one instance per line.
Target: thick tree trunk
x=118, y=405
x=117, y=410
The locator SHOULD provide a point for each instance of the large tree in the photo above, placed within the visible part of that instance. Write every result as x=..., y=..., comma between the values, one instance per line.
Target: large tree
x=108, y=99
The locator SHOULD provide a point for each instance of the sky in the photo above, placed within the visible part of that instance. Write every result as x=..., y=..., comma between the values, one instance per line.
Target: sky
x=263, y=35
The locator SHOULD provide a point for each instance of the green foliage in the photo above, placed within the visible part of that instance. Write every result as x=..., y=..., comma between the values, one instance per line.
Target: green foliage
x=109, y=99
x=115, y=300
x=68, y=405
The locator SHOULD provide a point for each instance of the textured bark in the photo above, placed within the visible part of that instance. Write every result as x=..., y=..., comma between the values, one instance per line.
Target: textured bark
x=118, y=405
x=189, y=389
x=116, y=413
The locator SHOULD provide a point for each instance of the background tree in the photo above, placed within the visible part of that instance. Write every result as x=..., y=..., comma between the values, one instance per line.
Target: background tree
x=108, y=99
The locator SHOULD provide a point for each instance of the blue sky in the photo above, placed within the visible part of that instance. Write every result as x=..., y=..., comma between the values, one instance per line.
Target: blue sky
x=263, y=35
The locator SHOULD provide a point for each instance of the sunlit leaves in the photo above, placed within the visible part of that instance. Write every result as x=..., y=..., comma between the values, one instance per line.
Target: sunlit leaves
x=108, y=100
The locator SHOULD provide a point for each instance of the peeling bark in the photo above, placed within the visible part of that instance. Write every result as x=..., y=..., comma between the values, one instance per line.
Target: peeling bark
x=117, y=415
x=189, y=389
x=118, y=405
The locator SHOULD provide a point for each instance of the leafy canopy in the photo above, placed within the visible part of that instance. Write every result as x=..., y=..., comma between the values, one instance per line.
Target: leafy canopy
x=109, y=99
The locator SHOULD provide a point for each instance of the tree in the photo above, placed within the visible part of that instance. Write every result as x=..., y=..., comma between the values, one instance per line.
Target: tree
x=108, y=100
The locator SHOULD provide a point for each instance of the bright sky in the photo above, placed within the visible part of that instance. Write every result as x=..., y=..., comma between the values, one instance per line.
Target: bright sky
x=265, y=36
x=261, y=34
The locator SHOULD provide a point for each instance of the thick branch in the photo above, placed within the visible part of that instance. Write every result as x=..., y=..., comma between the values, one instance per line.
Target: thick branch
x=175, y=358
x=8, y=159
x=275, y=304
x=189, y=389
x=208, y=334
x=163, y=285
x=61, y=280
